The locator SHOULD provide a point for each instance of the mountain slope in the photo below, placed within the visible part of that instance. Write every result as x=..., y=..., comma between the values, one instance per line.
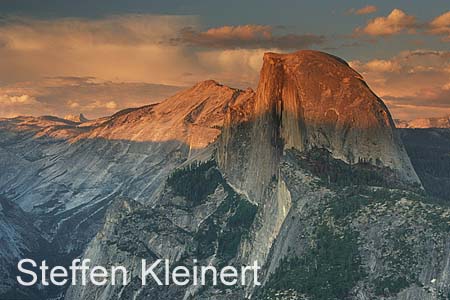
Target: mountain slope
x=66, y=174
x=193, y=117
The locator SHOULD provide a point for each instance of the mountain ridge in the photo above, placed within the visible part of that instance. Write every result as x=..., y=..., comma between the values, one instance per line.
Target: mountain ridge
x=436, y=122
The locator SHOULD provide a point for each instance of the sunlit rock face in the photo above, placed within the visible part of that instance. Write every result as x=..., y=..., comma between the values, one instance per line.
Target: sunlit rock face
x=194, y=117
x=311, y=99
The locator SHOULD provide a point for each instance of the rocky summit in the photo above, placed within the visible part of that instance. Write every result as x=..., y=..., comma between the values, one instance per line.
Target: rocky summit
x=76, y=118
x=321, y=102
x=306, y=175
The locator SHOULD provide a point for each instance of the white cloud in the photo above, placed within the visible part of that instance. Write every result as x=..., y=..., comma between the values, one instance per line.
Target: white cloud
x=381, y=65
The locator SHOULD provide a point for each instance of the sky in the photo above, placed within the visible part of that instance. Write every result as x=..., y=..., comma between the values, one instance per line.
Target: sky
x=60, y=57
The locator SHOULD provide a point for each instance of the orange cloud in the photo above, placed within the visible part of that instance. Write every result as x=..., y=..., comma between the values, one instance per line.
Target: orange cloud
x=380, y=65
x=127, y=48
x=246, y=36
x=441, y=26
x=396, y=22
x=13, y=105
x=236, y=67
x=73, y=95
x=134, y=48
x=412, y=79
x=244, y=32
x=368, y=9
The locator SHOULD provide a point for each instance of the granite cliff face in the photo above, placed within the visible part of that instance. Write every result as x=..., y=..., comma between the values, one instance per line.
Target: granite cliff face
x=307, y=175
x=310, y=99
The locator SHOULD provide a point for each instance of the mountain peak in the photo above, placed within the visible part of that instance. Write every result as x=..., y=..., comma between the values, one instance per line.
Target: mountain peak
x=310, y=99
x=76, y=118
x=193, y=117
x=207, y=84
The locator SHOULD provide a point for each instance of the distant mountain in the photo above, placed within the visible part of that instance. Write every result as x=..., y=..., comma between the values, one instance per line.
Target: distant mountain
x=76, y=118
x=307, y=175
x=442, y=122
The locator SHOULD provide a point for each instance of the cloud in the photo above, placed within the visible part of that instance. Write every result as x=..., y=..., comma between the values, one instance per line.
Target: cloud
x=412, y=79
x=131, y=48
x=135, y=48
x=237, y=67
x=368, y=9
x=441, y=26
x=13, y=100
x=73, y=95
x=12, y=105
x=395, y=23
x=246, y=37
x=380, y=65
x=68, y=33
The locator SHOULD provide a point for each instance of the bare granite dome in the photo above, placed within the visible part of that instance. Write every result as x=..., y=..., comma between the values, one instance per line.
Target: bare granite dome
x=320, y=101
